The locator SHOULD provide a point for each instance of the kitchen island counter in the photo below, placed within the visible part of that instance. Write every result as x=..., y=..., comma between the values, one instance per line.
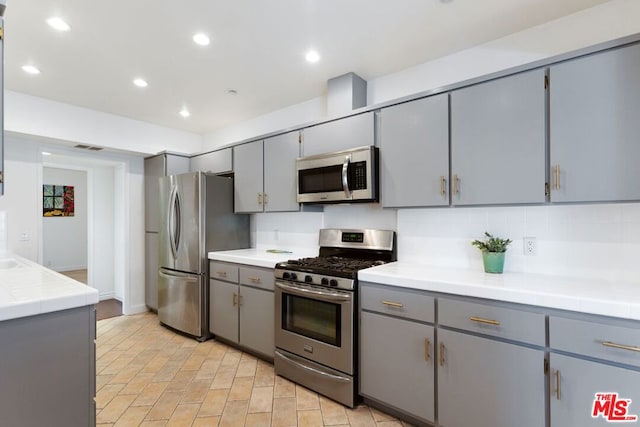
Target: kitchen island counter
x=28, y=289
x=592, y=296
x=260, y=257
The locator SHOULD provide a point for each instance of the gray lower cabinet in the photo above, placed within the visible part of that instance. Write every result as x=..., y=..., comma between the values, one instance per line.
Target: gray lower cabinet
x=574, y=384
x=342, y=134
x=223, y=306
x=488, y=383
x=414, y=153
x=594, y=109
x=498, y=141
x=397, y=347
x=48, y=369
x=397, y=364
x=265, y=174
x=256, y=319
x=220, y=161
x=152, y=266
x=601, y=355
x=242, y=306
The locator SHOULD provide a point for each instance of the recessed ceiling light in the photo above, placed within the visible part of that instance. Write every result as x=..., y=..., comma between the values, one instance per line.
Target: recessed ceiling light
x=312, y=56
x=201, y=39
x=140, y=82
x=185, y=113
x=58, y=24
x=232, y=92
x=30, y=69
x=46, y=153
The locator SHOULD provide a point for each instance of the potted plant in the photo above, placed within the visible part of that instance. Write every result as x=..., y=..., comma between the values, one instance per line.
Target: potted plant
x=493, y=249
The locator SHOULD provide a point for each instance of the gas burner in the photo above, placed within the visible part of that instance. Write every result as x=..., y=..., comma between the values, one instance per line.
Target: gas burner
x=333, y=263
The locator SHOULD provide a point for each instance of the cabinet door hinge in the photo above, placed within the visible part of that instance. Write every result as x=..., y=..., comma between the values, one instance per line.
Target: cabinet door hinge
x=546, y=82
x=300, y=138
x=546, y=366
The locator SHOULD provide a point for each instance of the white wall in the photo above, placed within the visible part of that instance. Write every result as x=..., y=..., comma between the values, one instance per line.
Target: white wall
x=120, y=272
x=605, y=22
x=22, y=194
x=41, y=117
x=65, y=238
x=591, y=241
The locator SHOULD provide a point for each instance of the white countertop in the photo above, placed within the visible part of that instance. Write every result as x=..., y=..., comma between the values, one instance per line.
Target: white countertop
x=608, y=298
x=27, y=289
x=259, y=257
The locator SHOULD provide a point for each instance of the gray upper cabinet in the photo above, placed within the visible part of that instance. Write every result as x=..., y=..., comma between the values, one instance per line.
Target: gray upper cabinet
x=594, y=127
x=248, y=177
x=215, y=162
x=280, y=154
x=265, y=174
x=342, y=134
x=155, y=167
x=414, y=153
x=498, y=141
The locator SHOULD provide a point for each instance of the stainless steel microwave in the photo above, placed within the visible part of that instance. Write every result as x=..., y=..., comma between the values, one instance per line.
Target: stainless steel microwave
x=340, y=177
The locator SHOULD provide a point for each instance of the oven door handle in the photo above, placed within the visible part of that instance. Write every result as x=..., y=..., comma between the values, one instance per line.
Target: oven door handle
x=312, y=370
x=320, y=295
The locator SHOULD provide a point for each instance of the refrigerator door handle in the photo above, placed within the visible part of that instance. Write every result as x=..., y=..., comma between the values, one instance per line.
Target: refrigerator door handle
x=171, y=224
x=178, y=221
x=174, y=274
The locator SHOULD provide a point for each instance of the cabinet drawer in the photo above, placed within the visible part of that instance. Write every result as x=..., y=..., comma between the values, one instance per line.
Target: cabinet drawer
x=498, y=321
x=223, y=271
x=615, y=342
x=407, y=303
x=257, y=277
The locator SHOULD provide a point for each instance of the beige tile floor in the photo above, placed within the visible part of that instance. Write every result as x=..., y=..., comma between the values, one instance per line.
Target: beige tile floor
x=150, y=376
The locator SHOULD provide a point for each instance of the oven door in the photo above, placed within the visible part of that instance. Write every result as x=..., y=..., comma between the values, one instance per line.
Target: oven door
x=315, y=323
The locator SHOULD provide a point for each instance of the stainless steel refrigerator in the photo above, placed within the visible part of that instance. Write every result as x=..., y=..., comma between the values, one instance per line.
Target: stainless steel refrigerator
x=196, y=212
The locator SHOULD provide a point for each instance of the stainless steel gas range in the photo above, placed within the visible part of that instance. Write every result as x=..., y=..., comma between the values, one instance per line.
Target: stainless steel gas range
x=316, y=335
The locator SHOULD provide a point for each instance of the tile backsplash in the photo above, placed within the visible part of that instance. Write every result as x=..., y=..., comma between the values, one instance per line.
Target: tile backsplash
x=591, y=241
x=3, y=232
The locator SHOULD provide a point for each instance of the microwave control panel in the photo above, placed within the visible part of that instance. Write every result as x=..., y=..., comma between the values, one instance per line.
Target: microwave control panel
x=358, y=176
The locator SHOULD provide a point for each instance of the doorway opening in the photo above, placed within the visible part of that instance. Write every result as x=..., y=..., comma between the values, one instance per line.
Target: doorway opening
x=83, y=245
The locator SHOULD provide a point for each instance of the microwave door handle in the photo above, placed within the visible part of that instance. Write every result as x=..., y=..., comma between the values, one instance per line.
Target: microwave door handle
x=345, y=176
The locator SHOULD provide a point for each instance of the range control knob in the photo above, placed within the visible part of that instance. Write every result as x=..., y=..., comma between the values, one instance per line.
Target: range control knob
x=333, y=282
x=286, y=275
x=324, y=281
x=308, y=279
x=294, y=276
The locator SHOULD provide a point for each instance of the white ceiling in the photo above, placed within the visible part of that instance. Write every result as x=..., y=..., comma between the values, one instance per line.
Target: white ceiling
x=257, y=48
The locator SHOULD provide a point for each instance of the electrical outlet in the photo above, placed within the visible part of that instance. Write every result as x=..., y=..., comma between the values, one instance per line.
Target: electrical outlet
x=530, y=246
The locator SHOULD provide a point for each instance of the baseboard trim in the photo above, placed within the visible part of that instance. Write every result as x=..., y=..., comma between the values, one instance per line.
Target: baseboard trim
x=67, y=268
x=107, y=295
x=135, y=309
